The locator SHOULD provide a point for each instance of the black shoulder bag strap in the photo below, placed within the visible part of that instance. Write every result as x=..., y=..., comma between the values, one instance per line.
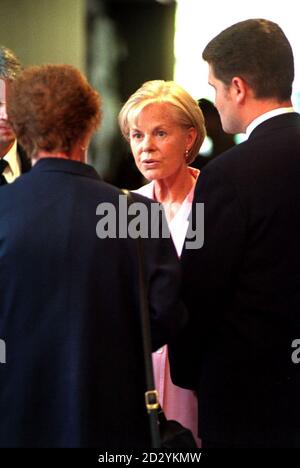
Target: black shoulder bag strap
x=151, y=395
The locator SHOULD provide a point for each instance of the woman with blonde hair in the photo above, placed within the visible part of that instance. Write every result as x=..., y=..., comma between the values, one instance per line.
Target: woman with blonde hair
x=165, y=129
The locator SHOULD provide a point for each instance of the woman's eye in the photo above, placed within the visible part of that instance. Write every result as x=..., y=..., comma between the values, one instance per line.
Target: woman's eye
x=136, y=135
x=161, y=133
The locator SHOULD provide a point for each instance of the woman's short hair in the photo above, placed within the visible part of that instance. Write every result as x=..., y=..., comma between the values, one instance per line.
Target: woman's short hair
x=187, y=111
x=51, y=107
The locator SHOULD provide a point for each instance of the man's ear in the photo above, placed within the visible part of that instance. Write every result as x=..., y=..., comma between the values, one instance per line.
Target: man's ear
x=239, y=89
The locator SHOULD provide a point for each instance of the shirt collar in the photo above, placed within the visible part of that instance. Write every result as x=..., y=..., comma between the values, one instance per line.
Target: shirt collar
x=13, y=170
x=267, y=115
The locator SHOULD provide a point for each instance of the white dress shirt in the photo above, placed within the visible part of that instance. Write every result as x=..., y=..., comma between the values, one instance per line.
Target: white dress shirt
x=267, y=115
x=179, y=223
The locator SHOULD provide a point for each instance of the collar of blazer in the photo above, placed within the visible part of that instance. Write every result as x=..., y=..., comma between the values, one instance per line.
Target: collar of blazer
x=65, y=165
x=276, y=123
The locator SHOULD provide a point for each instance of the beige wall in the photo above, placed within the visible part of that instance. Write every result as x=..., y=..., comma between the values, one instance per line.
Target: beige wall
x=44, y=31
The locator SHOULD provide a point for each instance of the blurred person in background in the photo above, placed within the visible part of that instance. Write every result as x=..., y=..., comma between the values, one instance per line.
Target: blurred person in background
x=217, y=141
x=13, y=160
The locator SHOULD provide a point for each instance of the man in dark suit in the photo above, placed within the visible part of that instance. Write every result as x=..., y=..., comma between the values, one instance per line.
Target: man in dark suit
x=242, y=287
x=73, y=374
x=13, y=160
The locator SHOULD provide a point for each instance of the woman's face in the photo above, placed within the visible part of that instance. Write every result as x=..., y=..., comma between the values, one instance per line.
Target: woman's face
x=158, y=142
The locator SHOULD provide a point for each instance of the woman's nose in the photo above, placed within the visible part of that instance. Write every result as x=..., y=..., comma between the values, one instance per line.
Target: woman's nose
x=147, y=143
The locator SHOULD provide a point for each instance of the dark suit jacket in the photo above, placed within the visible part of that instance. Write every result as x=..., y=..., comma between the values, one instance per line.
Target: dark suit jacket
x=242, y=289
x=69, y=313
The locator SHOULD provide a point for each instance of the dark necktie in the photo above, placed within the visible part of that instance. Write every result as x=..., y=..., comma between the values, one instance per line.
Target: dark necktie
x=3, y=165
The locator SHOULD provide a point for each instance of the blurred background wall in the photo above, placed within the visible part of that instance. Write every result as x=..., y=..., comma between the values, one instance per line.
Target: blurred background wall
x=45, y=31
x=129, y=42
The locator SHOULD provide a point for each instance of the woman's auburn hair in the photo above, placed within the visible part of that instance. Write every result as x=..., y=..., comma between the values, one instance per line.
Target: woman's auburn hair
x=51, y=107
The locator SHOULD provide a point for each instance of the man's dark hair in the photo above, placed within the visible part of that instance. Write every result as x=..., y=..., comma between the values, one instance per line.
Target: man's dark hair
x=258, y=51
x=10, y=66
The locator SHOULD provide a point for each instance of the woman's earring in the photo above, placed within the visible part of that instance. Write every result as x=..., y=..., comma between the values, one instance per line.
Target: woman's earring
x=186, y=155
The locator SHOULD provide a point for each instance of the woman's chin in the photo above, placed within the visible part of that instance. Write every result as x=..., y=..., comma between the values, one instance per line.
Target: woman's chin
x=151, y=175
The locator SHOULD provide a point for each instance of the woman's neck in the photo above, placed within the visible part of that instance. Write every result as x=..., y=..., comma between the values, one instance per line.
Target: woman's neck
x=172, y=191
x=78, y=153
x=46, y=154
x=56, y=154
x=174, y=188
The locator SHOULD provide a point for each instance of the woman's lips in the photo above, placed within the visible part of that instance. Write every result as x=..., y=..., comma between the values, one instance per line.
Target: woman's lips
x=150, y=163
